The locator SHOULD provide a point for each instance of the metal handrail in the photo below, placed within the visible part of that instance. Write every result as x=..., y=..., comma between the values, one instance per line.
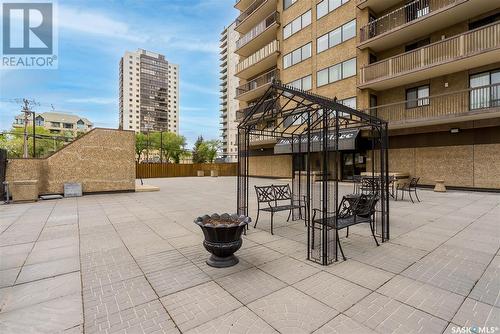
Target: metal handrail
x=258, y=29
x=459, y=102
x=261, y=80
x=462, y=45
x=407, y=13
x=241, y=113
x=256, y=57
x=247, y=12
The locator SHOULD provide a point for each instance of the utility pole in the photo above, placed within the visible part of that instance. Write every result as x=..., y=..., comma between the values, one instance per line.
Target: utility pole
x=26, y=111
x=27, y=104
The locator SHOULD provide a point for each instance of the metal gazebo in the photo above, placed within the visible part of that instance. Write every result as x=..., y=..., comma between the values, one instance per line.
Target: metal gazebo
x=314, y=128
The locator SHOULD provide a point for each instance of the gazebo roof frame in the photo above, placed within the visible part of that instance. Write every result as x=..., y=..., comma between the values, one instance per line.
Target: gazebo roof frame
x=308, y=104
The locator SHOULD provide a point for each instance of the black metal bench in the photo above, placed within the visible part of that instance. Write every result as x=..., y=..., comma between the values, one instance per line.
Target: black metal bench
x=273, y=196
x=350, y=212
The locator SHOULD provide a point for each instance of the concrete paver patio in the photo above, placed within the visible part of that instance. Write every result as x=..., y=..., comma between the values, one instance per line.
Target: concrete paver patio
x=134, y=263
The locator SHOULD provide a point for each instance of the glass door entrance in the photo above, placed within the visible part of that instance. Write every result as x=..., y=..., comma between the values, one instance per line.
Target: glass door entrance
x=353, y=163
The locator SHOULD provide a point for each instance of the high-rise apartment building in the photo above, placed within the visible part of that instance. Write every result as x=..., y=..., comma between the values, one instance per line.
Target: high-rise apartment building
x=229, y=82
x=429, y=67
x=149, y=92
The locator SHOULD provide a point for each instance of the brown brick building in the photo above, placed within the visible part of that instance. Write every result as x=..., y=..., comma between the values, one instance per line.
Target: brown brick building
x=429, y=67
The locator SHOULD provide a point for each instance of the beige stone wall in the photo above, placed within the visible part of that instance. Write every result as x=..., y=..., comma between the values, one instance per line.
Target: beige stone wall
x=487, y=166
x=475, y=166
x=102, y=160
x=271, y=166
x=453, y=164
x=25, y=169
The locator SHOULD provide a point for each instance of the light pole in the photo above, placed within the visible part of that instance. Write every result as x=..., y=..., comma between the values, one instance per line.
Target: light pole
x=161, y=146
x=34, y=135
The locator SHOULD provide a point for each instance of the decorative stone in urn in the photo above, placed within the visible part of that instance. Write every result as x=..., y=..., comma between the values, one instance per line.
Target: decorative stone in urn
x=222, y=237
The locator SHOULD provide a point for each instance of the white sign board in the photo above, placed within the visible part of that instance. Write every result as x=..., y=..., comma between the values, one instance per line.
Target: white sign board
x=72, y=190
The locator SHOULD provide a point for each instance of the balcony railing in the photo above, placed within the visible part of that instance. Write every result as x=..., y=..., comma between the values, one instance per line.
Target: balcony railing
x=244, y=112
x=410, y=12
x=253, y=59
x=260, y=81
x=247, y=12
x=463, y=102
x=258, y=29
x=460, y=46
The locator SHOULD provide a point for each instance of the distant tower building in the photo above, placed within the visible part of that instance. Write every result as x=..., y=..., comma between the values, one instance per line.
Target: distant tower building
x=149, y=92
x=229, y=83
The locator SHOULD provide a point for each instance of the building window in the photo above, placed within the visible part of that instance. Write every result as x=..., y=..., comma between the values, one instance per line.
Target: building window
x=336, y=72
x=484, y=21
x=288, y=3
x=322, y=77
x=337, y=36
x=296, y=25
x=55, y=124
x=485, y=90
x=302, y=83
x=297, y=56
x=326, y=6
x=417, y=44
x=349, y=102
x=68, y=125
x=80, y=125
x=39, y=121
x=417, y=97
x=349, y=68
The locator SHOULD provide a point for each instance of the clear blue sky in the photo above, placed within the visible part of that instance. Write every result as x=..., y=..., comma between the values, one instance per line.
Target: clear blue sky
x=93, y=35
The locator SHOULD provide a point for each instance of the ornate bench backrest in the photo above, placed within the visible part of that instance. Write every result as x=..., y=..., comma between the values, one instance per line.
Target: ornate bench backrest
x=365, y=206
x=265, y=194
x=282, y=192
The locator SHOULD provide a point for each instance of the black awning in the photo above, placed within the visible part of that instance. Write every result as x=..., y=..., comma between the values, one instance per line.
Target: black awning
x=347, y=142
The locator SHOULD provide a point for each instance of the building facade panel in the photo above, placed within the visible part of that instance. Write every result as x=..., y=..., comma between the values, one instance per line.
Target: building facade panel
x=420, y=65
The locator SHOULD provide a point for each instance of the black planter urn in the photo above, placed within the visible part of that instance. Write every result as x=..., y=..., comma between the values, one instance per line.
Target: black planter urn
x=222, y=239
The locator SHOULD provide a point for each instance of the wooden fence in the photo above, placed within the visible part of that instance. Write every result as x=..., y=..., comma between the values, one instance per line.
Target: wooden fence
x=150, y=170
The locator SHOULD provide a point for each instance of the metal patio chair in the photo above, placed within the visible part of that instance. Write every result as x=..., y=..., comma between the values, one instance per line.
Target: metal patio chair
x=409, y=187
x=349, y=213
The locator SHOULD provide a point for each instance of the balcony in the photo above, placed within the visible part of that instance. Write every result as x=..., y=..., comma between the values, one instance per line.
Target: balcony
x=256, y=87
x=259, y=61
x=260, y=35
x=242, y=4
x=468, y=50
x=254, y=13
x=244, y=112
x=468, y=104
x=417, y=19
x=376, y=5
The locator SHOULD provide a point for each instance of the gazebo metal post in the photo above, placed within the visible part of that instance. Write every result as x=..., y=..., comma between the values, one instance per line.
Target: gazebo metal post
x=385, y=151
x=247, y=169
x=299, y=190
x=324, y=182
x=336, y=185
x=308, y=180
x=382, y=176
